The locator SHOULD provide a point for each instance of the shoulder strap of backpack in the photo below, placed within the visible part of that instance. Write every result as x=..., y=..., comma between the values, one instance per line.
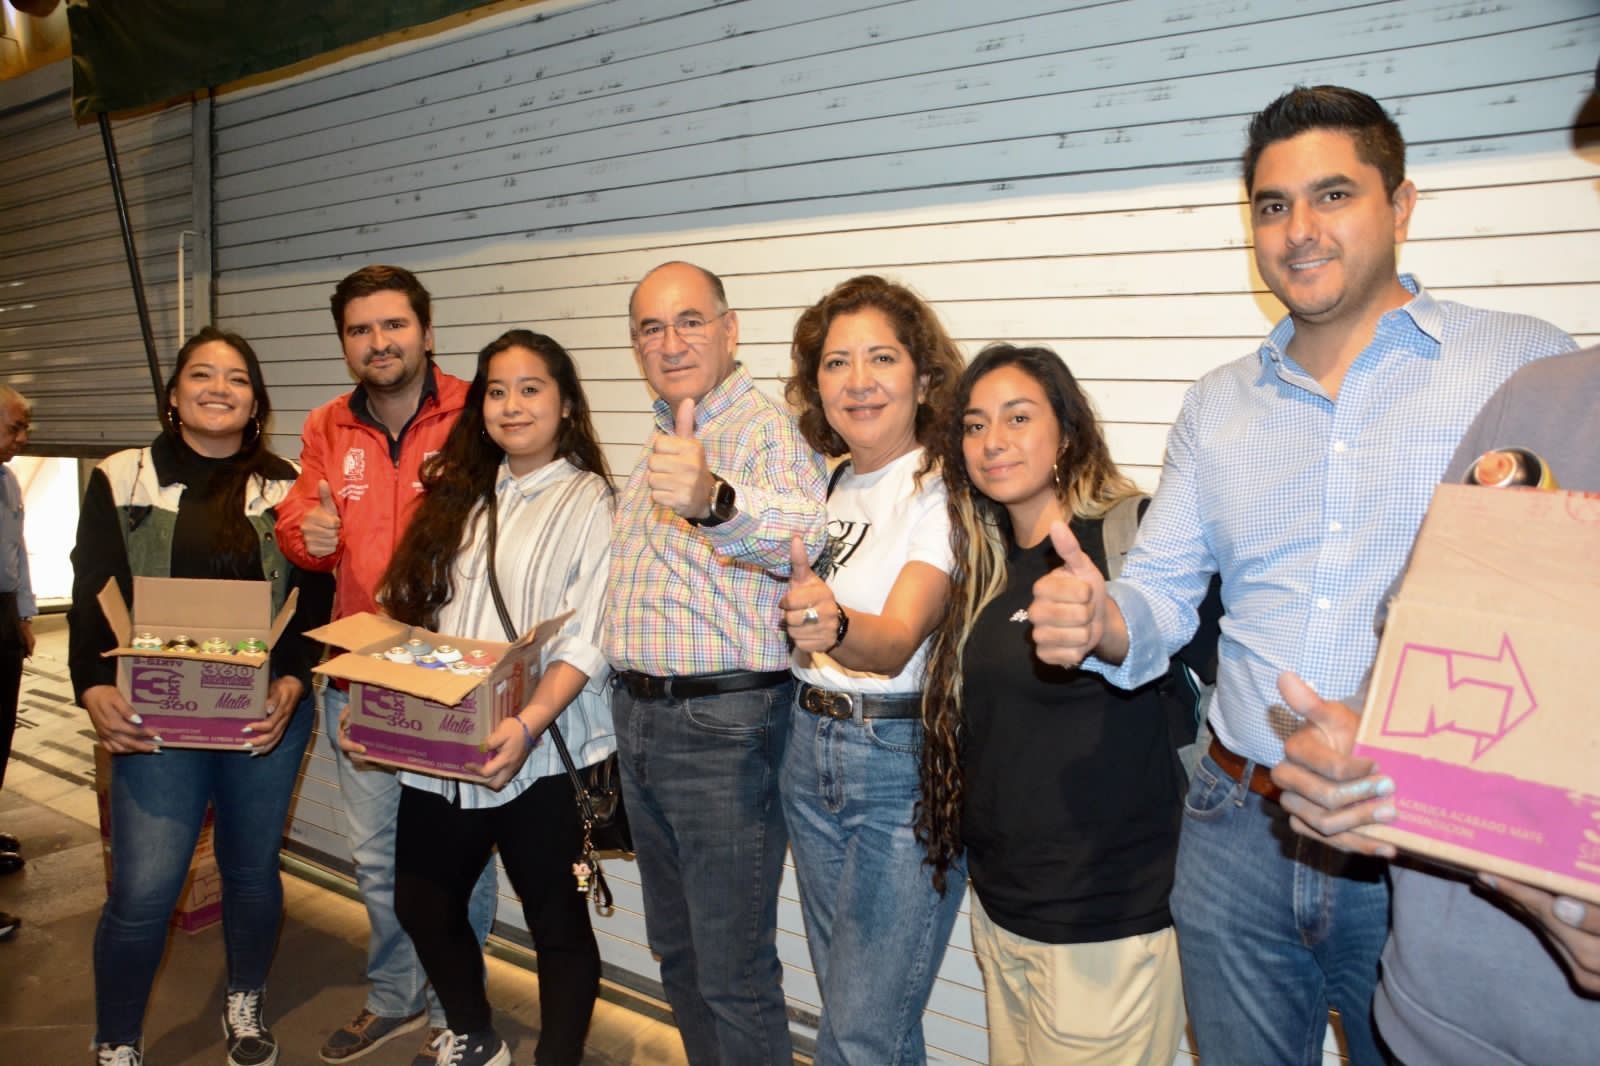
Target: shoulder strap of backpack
x=1118, y=529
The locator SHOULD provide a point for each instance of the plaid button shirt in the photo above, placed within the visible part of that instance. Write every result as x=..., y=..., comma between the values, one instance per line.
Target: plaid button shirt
x=1306, y=506
x=687, y=600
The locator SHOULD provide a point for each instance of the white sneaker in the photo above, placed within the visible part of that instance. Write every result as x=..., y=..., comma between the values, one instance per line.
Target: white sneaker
x=472, y=1049
x=118, y=1055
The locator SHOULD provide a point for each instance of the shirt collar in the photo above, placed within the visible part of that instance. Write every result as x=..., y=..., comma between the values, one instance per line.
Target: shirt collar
x=361, y=407
x=1422, y=309
x=713, y=404
x=529, y=484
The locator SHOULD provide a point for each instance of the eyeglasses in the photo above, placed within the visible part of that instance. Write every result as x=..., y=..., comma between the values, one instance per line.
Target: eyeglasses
x=691, y=329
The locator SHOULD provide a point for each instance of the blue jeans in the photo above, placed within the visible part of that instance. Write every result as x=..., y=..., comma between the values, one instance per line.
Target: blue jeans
x=701, y=781
x=876, y=928
x=158, y=803
x=1272, y=930
x=372, y=809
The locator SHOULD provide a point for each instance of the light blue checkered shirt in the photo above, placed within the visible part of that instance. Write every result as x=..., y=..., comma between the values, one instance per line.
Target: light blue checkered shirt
x=1307, y=507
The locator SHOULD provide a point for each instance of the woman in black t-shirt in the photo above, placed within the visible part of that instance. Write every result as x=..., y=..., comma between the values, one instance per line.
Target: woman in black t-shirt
x=1062, y=790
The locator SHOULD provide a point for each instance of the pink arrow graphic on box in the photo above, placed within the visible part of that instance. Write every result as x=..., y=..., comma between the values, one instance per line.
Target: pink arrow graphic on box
x=1449, y=690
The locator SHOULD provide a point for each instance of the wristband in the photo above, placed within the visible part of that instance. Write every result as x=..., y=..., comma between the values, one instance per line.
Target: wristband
x=526, y=732
x=844, y=627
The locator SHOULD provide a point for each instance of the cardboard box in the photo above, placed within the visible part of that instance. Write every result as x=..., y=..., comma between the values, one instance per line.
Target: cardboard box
x=1482, y=705
x=192, y=699
x=433, y=721
x=200, y=902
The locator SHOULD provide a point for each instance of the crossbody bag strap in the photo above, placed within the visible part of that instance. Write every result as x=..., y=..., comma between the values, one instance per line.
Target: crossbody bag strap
x=492, y=537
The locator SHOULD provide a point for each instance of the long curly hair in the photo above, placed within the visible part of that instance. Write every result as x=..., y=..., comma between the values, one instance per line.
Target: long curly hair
x=916, y=327
x=461, y=476
x=235, y=540
x=1088, y=484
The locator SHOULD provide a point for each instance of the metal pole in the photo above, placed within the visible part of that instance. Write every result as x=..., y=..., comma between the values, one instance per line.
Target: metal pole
x=133, y=263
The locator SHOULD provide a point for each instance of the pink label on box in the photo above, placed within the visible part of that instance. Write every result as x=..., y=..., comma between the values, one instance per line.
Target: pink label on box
x=416, y=752
x=179, y=729
x=1521, y=821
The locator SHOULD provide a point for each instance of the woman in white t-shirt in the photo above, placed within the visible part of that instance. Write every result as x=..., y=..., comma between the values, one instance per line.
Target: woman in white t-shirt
x=872, y=372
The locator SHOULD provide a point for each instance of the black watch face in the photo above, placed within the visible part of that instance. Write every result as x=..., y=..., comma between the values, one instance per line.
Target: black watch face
x=722, y=509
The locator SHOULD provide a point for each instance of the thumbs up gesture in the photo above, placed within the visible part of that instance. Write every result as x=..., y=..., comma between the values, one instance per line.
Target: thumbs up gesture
x=676, y=473
x=320, y=526
x=810, y=613
x=1068, y=611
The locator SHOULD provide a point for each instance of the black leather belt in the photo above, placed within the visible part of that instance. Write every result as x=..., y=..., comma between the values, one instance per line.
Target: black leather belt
x=842, y=705
x=650, y=687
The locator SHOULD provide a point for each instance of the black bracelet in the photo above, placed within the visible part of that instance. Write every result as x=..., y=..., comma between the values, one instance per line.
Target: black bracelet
x=838, y=634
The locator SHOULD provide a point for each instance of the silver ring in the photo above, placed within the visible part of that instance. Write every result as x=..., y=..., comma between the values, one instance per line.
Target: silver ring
x=810, y=616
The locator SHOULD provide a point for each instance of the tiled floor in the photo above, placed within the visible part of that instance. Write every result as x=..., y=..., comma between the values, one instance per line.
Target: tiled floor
x=46, y=978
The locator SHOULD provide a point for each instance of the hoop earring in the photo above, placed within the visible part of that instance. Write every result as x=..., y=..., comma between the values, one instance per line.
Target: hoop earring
x=249, y=437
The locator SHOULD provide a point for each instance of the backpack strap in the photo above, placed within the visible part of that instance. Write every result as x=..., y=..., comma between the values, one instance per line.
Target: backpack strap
x=1119, y=528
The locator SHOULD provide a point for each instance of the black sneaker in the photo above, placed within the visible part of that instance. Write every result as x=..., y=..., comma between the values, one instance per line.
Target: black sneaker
x=250, y=1043
x=367, y=1032
x=8, y=925
x=118, y=1055
x=472, y=1049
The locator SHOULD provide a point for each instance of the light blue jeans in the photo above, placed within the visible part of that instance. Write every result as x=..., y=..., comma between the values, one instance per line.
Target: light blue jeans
x=158, y=803
x=1272, y=930
x=372, y=808
x=701, y=781
x=876, y=928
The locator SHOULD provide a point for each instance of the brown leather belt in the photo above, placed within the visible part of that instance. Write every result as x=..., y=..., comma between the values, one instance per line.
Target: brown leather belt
x=843, y=705
x=1233, y=765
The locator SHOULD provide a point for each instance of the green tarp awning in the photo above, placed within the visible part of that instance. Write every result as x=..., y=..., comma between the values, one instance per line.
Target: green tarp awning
x=131, y=53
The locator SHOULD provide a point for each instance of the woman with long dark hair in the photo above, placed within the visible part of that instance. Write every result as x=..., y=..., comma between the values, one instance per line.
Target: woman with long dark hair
x=1061, y=791
x=873, y=371
x=523, y=457
x=197, y=503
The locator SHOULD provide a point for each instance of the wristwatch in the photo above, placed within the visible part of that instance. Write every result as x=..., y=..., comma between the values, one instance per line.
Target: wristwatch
x=722, y=504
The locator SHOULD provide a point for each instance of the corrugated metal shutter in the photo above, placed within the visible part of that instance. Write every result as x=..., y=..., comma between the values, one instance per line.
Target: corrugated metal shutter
x=69, y=335
x=1042, y=172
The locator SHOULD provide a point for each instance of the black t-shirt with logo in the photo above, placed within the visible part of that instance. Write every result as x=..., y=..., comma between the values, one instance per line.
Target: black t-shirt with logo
x=1072, y=801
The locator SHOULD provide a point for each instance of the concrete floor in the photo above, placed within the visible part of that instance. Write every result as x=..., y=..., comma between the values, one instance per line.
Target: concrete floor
x=46, y=977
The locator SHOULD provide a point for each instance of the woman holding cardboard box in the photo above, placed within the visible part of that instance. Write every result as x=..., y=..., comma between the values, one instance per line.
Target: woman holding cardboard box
x=197, y=503
x=520, y=485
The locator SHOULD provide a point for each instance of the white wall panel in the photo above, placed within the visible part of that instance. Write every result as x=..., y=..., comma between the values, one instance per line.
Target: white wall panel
x=1042, y=172
x=69, y=334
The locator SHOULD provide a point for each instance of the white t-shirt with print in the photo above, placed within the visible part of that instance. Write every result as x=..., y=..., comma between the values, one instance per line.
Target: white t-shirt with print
x=877, y=523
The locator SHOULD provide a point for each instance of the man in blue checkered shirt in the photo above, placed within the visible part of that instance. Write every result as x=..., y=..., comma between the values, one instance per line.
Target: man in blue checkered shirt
x=1300, y=473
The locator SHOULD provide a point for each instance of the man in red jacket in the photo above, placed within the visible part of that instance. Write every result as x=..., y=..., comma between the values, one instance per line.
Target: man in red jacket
x=359, y=458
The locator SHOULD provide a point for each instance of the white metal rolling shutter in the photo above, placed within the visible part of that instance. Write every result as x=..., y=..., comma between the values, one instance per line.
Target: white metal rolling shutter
x=1045, y=172
x=69, y=334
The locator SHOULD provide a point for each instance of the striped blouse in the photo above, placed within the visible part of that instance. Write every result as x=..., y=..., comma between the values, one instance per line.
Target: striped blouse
x=552, y=557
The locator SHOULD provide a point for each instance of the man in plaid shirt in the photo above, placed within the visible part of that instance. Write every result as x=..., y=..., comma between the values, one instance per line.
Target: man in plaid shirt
x=699, y=560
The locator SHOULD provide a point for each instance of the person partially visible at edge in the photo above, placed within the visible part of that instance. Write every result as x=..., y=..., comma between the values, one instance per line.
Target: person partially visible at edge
x=1485, y=971
x=1060, y=790
x=699, y=557
x=17, y=607
x=525, y=446
x=361, y=458
x=1300, y=474
x=871, y=375
x=198, y=502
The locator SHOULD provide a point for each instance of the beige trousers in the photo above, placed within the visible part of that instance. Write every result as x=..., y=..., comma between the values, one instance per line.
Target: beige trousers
x=1117, y=1003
